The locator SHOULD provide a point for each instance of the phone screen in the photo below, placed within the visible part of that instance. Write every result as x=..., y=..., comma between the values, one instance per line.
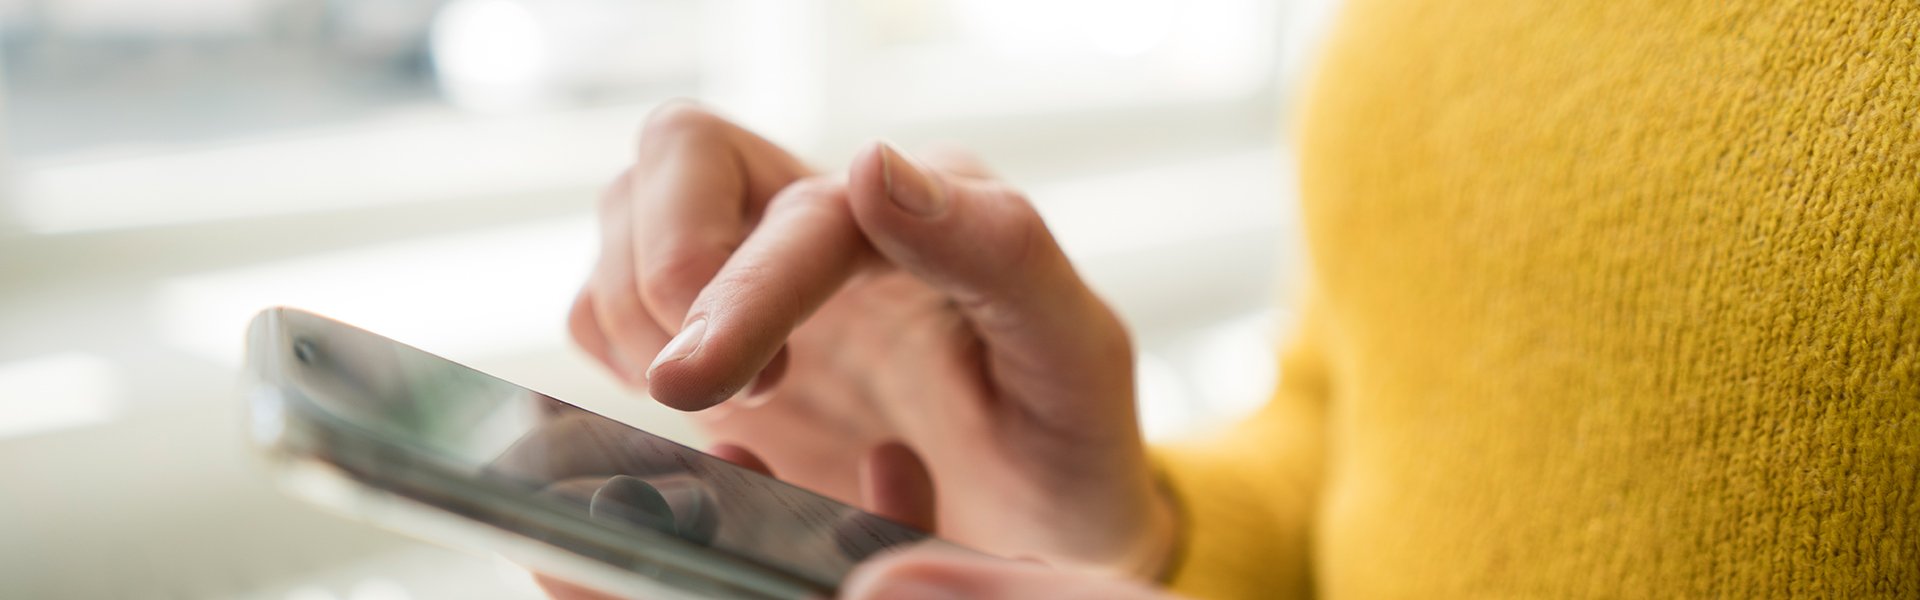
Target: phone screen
x=514, y=441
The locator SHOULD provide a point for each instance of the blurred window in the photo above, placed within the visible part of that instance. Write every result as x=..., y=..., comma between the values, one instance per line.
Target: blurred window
x=88, y=75
x=94, y=87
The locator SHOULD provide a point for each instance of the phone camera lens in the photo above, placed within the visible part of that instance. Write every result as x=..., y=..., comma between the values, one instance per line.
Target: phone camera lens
x=304, y=351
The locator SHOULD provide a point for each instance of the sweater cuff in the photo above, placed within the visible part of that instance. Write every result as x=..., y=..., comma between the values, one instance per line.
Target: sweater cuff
x=1241, y=534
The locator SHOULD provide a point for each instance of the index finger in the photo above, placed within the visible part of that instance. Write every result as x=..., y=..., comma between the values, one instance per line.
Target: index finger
x=700, y=184
x=799, y=257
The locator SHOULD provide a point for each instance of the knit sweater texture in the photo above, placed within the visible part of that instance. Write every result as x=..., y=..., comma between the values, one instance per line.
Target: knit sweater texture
x=1607, y=298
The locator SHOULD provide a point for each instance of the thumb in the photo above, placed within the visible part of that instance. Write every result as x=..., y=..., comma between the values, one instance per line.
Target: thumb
x=981, y=243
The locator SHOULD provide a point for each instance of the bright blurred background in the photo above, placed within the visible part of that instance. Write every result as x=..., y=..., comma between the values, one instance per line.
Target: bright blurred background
x=426, y=169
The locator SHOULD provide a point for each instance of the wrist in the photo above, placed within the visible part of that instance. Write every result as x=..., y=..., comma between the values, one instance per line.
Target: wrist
x=1138, y=539
x=1151, y=547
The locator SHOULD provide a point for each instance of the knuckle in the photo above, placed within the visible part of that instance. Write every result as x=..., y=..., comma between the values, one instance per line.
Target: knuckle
x=677, y=119
x=1011, y=207
x=1027, y=235
x=1017, y=198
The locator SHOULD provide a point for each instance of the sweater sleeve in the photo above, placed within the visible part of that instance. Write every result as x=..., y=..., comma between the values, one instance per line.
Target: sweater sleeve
x=1246, y=495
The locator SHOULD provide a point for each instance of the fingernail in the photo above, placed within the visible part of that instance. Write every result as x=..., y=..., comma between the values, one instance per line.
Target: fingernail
x=909, y=185
x=681, y=346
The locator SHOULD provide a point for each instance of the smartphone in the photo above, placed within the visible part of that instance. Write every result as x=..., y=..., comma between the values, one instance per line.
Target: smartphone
x=387, y=433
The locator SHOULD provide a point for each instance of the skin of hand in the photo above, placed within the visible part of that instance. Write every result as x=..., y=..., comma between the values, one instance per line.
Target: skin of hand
x=929, y=574
x=906, y=335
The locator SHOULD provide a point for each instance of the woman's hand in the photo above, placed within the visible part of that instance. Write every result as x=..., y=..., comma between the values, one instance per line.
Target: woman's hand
x=864, y=332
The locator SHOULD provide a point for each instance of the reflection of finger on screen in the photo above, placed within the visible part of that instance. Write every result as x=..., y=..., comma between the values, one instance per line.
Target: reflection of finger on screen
x=631, y=500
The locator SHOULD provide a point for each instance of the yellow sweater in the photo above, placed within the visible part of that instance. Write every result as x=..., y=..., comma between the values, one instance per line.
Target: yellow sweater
x=1614, y=298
